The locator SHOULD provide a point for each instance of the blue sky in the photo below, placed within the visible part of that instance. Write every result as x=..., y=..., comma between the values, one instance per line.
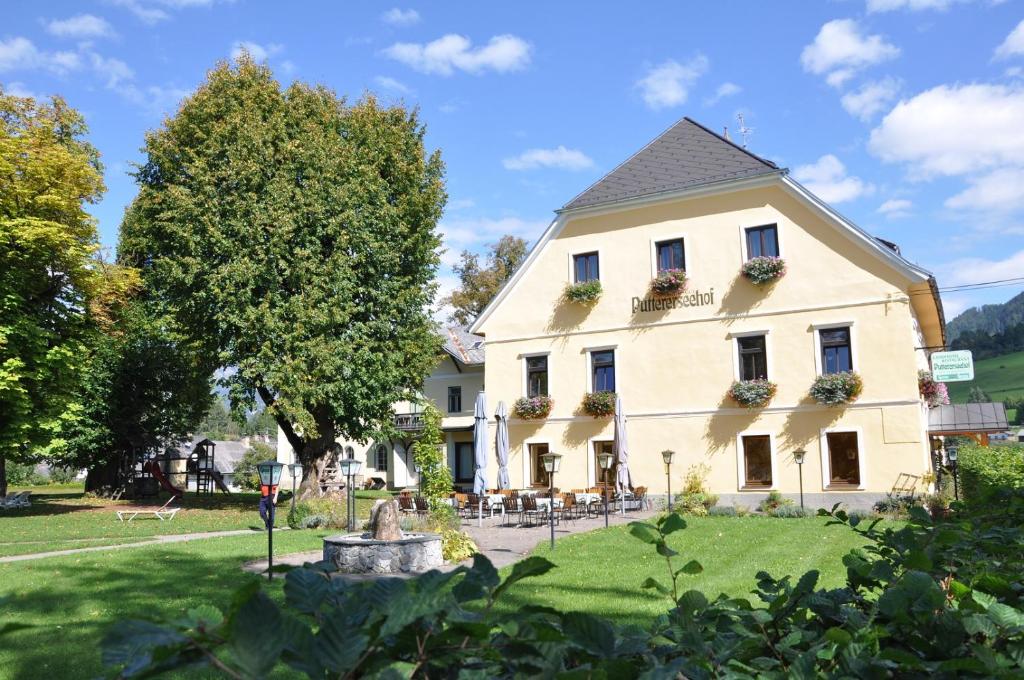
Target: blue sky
x=906, y=115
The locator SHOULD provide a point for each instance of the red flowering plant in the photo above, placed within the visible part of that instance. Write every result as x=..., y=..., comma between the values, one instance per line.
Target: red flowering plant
x=669, y=282
x=533, y=408
x=932, y=391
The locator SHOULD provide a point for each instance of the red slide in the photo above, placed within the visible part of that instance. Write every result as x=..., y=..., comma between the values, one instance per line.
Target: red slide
x=159, y=475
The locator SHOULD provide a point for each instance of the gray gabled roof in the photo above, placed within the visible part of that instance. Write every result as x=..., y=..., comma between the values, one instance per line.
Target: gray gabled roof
x=464, y=346
x=684, y=156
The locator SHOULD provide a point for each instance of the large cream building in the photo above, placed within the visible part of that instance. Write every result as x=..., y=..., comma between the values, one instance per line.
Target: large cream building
x=693, y=200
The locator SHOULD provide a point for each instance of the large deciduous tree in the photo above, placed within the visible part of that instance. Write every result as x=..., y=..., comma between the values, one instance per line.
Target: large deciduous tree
x=295, y=237
x=47, y=274
x=478, y=285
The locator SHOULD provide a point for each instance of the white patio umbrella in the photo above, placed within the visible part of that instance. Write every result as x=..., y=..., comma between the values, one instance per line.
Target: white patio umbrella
x=623, y=481
x=501, y=445
x=480, y=450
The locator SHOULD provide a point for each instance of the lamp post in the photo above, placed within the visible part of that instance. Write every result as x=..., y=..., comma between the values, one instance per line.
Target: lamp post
x=799, y=456
x=296, y=471
x=350, y=467
x=270, y=476
x=952, y=453
x=419, y=485
x=667, y=456
x=551, y=463
x=605, y=461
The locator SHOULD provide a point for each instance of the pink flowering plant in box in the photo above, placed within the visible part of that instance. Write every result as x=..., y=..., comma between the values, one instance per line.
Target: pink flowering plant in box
x=764, y=269
x=933, y=392
x=533, y=408
x=752, y=393
x=599, y=404
x=835, y=389
x=669, y=282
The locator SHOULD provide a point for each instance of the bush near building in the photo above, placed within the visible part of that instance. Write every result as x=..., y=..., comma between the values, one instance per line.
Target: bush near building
x=985, y=472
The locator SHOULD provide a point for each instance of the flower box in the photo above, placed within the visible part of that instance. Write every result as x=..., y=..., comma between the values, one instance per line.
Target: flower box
x=752, y=393
x=933, y=392
x=764, y=269
x=835, y=389
x=584, y=292
x=598, y=404
x=669, y=283
x=533, y=408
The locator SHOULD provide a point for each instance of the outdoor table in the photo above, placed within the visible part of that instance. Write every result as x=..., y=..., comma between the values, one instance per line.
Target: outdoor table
x=543, y=503
x=588, y=498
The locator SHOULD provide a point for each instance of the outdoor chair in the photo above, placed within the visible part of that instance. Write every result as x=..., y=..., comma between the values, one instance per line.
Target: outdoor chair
x=569, y=510
x=17, y=500
x=422, y=508
x=530, y=509
x=510, y=505
x=461, y=501
x=165, y=511
x=639, y=500
x=405, y=503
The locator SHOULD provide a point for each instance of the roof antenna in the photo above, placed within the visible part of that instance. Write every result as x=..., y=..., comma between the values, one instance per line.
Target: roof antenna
x=725, y=131
x=745, y=131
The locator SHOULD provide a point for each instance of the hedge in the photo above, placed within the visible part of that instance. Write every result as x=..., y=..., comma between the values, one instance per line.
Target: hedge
x=985, y=472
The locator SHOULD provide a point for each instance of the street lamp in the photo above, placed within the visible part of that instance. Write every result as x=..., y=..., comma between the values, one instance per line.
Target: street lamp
x=952, y=453
x=551, y=463
x=799, y=456
x=667, y=456
x=270, y=476
x=605, y=461
x=419, y=485
x=296, y=471
x=350, y=467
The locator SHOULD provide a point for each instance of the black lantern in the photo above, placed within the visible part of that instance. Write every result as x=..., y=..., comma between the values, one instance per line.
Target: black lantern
x=798, y=456
x=270, y=476
x=350, y=467
x=952, y=453
x=668, y=455
x=604, y=459
x=551, y=462
x=296, y=471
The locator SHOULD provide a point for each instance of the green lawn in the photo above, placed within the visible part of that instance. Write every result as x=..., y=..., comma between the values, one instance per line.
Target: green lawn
x=1001, y=377
x=600, y=572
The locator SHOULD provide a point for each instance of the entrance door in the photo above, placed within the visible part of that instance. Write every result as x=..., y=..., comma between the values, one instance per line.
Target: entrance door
x=465, y=466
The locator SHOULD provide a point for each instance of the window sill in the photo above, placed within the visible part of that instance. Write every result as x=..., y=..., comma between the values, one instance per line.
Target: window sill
x=757, y=487
x=843, y=486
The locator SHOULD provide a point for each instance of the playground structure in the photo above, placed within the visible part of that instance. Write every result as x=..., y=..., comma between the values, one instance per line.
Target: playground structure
x=146, y=472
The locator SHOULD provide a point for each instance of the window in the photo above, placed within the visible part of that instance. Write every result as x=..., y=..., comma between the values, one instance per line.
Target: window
x=753, y=357
x=843, y=458
x=604, y=477
x=454, y=399
x=757, y=461
x=536, y=376
x=464, y=463
x=836, y=356
x=381, y=461
x=540, y=475
x=763, y=241
x=603, y=364
x=671, y=255
x=585, y=267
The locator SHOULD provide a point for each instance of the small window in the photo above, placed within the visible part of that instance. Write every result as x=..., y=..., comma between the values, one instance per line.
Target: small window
x=763, y=241
x=585, y=267
x=836, y=355
x=757, y=461
x=464, y=463
x=536, y=376
x=671, y=254
x=603, y=364
x=843, y=458
x=381, y=462
x=454, y=399
x=753, y=357
x=604, y=477
x=540, y=475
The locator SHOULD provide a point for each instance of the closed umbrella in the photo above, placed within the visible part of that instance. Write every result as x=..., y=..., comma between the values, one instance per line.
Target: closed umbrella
x=623, y=482
x=480, y=448
x=501, y=445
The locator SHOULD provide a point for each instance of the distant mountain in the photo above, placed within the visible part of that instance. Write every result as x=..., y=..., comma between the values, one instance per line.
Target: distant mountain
x=988, y=319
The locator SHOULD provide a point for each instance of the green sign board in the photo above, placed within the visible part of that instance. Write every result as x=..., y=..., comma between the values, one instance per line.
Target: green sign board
x=953, y=366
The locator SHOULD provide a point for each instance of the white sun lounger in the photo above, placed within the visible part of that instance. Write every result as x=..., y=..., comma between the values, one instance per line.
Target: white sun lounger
x=161, y=513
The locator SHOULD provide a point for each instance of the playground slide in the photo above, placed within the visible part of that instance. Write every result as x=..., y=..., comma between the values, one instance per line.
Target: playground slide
x=218, y=479
x=159, y=475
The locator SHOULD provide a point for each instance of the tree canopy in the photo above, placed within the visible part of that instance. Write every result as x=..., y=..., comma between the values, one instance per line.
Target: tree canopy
x=294, y=237
x=478, y=285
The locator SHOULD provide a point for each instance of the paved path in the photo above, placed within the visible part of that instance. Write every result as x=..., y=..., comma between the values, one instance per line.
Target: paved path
x=153, y=540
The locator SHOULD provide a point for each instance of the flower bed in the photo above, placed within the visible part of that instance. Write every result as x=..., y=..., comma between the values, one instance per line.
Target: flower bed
x=585, y=292
x=932, y=391
x=835, y=389
x=764, y=269
x=532, y=408
x=599, y=404
x=668, y=283
x=752, y=393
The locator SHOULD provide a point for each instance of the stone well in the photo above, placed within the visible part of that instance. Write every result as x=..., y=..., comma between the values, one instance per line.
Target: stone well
x=362, y=554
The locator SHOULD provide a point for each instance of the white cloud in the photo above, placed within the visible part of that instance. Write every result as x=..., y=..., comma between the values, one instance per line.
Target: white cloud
x=896, y=207
x=147, y=12
x=19, y=89
x=979, y=270
x=669, y=83
x=460, y=204
x=114, y=71
x=952, y=305
x=400, y=17
x=258, y=52
x=1000, y=191
x=1013, y=45
x=21, y=54
x=953, y=130
x=724, y=90
x=559, y=157
x=826, y=178
x=871, y=98
x=840, y=49
x=502, y=53
x=470, y=234
x=912, y=5
x=80, y=26
x=386, y=83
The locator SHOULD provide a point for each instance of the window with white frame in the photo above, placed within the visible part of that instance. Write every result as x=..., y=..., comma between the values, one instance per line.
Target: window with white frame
x=843, y=458
x=585, y=267
x=381, y=458
x=753, y=357
x=670, y=254
x=757, y=461
x=602, y=366
x=538, y=476
x=603, y=477
x=836, y=350
x=536, y=376
x=762, y=241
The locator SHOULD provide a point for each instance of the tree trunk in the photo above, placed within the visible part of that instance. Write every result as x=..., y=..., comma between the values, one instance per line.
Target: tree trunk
x=103, y=478
x=3, y=476
x=315, y=454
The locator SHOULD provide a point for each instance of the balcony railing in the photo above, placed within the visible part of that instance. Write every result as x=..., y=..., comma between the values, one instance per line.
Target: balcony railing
x=409, y=422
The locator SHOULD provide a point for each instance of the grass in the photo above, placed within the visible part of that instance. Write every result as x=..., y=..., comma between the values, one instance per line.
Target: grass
x=1001, y=377
x=600, y=572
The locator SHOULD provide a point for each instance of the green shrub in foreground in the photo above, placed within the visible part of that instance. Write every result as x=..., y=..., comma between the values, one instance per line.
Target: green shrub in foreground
x=318, y=513
x=986, y=471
